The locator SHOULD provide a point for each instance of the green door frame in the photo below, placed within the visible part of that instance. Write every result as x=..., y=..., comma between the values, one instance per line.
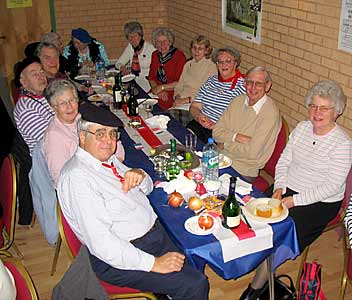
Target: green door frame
x=52, y=15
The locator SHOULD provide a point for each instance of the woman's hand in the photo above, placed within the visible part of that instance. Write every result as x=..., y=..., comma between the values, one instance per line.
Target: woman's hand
x=164, y=96
x=277, y=194
x=288, y=202
x=205, y=121
x=157, y=89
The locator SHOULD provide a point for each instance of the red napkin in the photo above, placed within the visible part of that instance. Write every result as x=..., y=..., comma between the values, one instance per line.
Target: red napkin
x=243, y=232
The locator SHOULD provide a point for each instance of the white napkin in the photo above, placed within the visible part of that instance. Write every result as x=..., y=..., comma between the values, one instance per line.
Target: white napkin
x=158, y=121
x=181, y=184
x=242, y=187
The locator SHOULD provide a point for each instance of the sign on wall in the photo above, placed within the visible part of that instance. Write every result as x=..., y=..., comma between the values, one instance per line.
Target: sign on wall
x=345, y=31
x=18, y=3
x=243, y=18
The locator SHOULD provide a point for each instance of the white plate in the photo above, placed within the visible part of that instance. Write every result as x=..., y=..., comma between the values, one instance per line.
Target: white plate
x=249, y=211
x=82, y=77
x=191, y=225
x=224, y=161
x=111, y=72
x=128, y=78
x=98, y=88
x=147, y=101
x=99, y=97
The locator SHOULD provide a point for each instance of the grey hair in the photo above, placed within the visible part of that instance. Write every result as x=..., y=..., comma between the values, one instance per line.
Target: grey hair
x=162, y=31
x=133, y=27
x=42, y=45
x=227, y=49
x=327, y=89
x=51, y=38
x=260, y=69
x=84, y=126
x=58, y=87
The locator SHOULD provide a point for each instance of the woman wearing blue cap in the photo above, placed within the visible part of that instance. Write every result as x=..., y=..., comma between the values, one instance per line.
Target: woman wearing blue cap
x=83, y=47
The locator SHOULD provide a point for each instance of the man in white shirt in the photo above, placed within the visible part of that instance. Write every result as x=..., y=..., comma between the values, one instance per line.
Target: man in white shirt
x=105, y=204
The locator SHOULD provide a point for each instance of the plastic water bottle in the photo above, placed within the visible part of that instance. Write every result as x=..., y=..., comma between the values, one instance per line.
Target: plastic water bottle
x=99, y=69
x=210, y=161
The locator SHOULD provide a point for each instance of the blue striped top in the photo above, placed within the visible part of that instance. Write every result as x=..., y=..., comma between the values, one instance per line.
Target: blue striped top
x=216, y=96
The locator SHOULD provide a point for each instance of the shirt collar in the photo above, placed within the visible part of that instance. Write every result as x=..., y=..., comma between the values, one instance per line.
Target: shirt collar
x=91, y=160
x=258, y=106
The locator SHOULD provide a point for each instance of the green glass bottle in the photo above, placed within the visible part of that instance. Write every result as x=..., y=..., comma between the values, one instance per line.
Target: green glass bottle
x=116, y=92
x=231, y=210
x=173, y=164
x=132, y=104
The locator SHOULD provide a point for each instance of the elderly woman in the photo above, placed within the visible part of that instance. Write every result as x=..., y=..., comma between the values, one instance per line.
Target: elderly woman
x=217, y=92
x=312, y=170
x=138, y=54
x=195, y=72
x=166, y=66
x=60, y=140
x=83, y=48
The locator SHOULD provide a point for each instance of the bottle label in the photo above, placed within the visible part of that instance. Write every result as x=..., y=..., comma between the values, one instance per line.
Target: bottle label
x=233, y=221
x=118, y=97
x=137, y=110
x=213, y=162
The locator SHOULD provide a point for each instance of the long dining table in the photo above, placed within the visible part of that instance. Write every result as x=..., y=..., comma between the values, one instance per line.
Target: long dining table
x=202, y=250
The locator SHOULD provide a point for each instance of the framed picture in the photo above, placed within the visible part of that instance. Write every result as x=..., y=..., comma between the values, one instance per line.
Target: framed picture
x=243, y=18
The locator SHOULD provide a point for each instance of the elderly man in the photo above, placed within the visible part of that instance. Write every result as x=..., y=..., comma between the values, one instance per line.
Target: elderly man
x=32, y=112
x=105, y=204
x=248, y=128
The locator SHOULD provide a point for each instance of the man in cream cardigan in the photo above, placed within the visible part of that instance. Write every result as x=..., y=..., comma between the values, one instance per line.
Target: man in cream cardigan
x=248, y=128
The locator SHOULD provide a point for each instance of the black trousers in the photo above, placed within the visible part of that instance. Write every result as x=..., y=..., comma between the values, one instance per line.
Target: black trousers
x=188, y=284
x=201, y=132
x=310, y=220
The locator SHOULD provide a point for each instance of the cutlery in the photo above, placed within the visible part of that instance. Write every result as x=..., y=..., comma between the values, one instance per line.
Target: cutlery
x=245, y=219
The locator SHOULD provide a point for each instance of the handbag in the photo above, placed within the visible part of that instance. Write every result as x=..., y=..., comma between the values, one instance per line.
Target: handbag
x=310, y=282
x=283, y=291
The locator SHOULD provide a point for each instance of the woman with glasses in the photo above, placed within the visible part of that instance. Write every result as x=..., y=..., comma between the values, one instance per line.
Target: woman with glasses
x=60, y=140
x=195, y=72
x=166, y=66
x=311, y=172
x=217, y=92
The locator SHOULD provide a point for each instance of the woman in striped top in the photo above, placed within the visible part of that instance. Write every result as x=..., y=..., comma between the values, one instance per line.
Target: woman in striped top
x=215, y=95
x=311, y=172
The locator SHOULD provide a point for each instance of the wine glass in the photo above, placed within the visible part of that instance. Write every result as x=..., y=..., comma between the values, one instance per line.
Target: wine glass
x=135, y=123
x=148, y=108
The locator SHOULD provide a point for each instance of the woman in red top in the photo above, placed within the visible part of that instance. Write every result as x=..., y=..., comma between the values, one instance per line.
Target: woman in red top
x=166, y=66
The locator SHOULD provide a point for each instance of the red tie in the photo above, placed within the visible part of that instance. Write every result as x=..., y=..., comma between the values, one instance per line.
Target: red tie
x=113, y=169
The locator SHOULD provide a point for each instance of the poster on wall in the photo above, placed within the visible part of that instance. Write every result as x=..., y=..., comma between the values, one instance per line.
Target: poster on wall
x=345, y=31
x=243, y=18
x=18, y=3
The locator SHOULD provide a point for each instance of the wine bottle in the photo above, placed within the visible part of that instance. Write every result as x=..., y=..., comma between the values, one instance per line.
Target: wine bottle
x=116, y=91
x=132, y=105
x=173, y=164
x=231, y=211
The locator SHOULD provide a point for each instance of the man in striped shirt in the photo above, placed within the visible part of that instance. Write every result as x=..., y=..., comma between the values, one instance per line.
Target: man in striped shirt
x=32, y=112
x=217, y=92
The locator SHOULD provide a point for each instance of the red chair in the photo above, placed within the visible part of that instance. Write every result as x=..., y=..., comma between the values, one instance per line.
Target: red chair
x=260, y=182
x=336, y=223
x=24, y=284
x=72, y=245
x=8, y=187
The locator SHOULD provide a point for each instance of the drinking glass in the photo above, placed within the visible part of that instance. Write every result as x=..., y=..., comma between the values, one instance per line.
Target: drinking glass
x=160, y=163
x=148, y=107
x=191, y=141
x=135, y=123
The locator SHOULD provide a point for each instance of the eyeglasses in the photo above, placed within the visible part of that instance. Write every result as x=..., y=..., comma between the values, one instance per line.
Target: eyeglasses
x=225, y=62
x=198, y=48
x=102, y=134
x=322, y=109
x=67, y=102
x=259, y=84
x=163, y=43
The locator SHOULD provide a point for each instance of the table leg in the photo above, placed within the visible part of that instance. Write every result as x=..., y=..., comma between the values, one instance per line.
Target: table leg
x=269, y=261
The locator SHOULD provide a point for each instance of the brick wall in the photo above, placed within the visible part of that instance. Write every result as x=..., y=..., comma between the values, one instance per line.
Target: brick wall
x=299, y=46
x=299, y=39
x=105, y=19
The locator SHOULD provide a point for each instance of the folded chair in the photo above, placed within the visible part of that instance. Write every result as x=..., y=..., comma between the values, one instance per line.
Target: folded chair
x=24, y=284
x=336, y=223
x=73, y=245
x=8, y=181
x=260, y=182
